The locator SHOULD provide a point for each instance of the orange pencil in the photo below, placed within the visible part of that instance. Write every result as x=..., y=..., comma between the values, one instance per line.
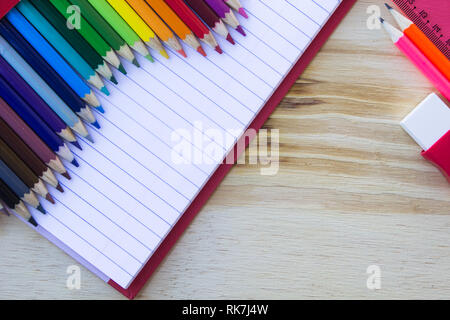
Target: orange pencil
x=176, y=24
x=154, y=22
x=422, y=42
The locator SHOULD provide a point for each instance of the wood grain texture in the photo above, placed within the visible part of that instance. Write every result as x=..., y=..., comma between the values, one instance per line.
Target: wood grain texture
x=352, y=191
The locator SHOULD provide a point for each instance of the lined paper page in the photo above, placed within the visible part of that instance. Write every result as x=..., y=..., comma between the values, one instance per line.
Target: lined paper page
x=135, y=181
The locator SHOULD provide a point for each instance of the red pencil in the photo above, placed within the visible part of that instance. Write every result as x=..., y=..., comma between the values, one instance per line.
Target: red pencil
x=194, y=23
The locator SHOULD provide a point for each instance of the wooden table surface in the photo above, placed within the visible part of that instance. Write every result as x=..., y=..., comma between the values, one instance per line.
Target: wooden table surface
x=352, y=191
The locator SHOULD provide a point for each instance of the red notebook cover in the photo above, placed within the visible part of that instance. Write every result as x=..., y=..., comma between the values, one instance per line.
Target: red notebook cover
x=222, y=171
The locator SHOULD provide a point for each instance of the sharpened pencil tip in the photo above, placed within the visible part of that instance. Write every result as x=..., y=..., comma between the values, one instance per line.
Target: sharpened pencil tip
x=149, y=58
x=164, y=53
x=59, y=188
x=201, y=51
x=105, y=91
x=181, y=51
x=33, y=222
x=95, y=124
x=77, y=144
x=388, y=6
x=136, y=63
x=114, y=80
x=66, y=175
x=49, y=198
x=241, y=31
x=218, y=49
x=230, y=39
x=382, y=20
x=75, y=163
x=41, y=209
x=89, y=137
x=243, y=13
x=122, y=69
x=100, y=109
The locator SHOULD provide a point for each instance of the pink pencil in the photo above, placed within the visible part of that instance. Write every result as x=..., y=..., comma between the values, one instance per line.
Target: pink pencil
x=419, y=59
x=236, y=5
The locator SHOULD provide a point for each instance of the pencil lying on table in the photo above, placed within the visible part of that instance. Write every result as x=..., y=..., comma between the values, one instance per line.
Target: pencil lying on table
x=194, y=23
x=36, y=102
x=418, y=58
x=138, y=25
x=23, y=110
x=32, y=140
x=157, y=25
x=176, y=24
x=47, y=73
x=76, y=40
x=28, y=156
x=236, y=5
x=422, y=42
x=42, y=88
x=59, y=43
x=105, y=30
x=121, y=27
x=13, y=202
x=19, y=188
x=226, y=14
x=53, y=58
x=25, y=174
x=210, y=17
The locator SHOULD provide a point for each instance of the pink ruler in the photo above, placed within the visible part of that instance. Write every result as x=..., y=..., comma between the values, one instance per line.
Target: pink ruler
x=432, y=17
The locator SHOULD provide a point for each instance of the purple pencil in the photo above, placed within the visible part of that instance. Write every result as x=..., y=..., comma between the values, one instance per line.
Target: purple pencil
x=36, y=103
x=31, y=139
x=236, y=5
x=226, y=14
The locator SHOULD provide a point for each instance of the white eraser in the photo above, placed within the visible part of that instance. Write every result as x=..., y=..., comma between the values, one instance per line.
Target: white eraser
x=428, y=122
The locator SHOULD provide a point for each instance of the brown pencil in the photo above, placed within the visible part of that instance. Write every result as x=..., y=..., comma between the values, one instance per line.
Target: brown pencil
x=16, y=164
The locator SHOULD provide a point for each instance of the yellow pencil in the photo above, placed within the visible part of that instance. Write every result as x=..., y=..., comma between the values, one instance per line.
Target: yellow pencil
x=138, y=25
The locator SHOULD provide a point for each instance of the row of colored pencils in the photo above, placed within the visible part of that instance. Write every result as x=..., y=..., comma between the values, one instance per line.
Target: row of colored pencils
x=415, y=45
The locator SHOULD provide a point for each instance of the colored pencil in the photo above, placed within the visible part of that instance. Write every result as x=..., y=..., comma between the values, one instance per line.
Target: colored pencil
x=211, y=18
x=59, y=43
x=176, y=24
x=13, y=202
x=418, y=58
x=194, y=23
x=236, y=5
x=121, y=27
x=21, y=107
x=42, y=88
x=226, y=14
x=25, y=174
x=138, y=25
x=27, y=155
x=53, y=58
x=61, y=88
x=32, y=140
x=36, y=102
x=89, y=34
x=18, y=187
x=105, y=30
x=75, y=39
x=422, y=42
x=3, y=208
x=157, y=25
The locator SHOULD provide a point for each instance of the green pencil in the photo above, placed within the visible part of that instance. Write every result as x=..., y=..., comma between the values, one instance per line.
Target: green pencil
x=91, y=36
x=105, y=30
x=74, y=38
x=122, y=28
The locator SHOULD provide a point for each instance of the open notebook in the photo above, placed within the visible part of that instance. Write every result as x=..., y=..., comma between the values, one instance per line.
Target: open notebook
x=134, y=183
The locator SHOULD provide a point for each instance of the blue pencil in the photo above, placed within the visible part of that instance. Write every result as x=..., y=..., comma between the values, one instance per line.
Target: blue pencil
x=53, y=58
x=61, y=88
x=24, y=111
x=36, y=102
x=18, y=187
x=60, y=44
x=42, y=88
